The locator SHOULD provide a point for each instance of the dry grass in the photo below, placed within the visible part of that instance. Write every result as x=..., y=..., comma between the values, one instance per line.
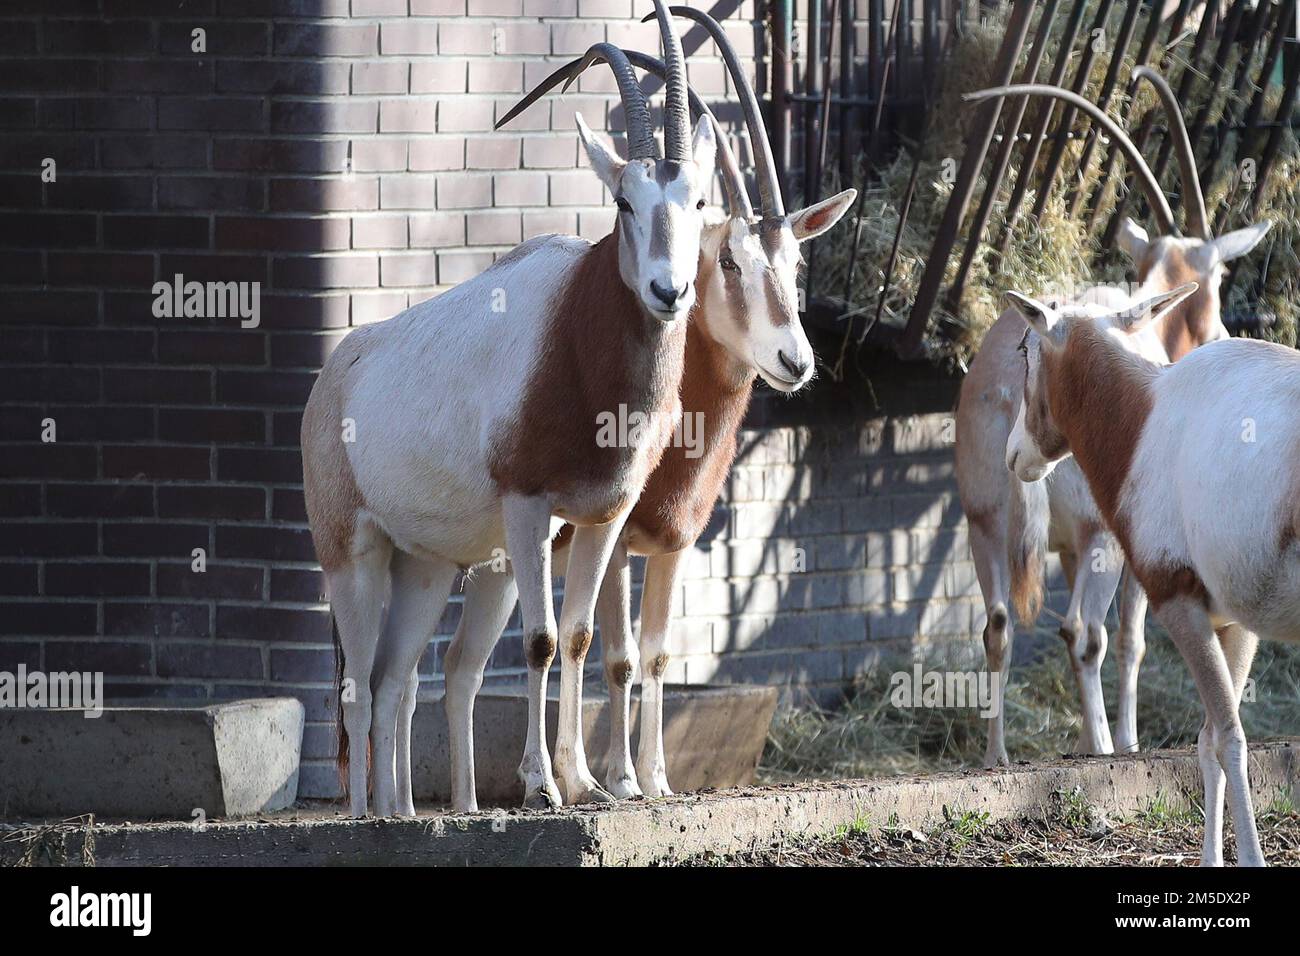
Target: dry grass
x=869, y=736
x=1053, y=250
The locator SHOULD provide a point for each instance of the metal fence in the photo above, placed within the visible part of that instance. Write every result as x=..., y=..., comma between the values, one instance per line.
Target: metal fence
x=1267, y=27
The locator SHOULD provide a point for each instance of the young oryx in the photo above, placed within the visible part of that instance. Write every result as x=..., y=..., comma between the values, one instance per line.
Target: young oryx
x=745, y=321
x=1012, y=524
x=1196, y=467
x=469, y=424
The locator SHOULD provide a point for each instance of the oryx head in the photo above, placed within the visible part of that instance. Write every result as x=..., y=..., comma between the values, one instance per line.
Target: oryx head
x=1037, y=442
x=749, y=262
x=660, y=199
x=1171, y=259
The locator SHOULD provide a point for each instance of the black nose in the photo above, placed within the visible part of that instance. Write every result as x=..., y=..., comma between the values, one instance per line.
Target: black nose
x=793, y=366
x=668, y=297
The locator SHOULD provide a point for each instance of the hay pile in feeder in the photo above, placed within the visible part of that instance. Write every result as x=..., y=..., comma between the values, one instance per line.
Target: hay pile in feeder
x=1054, y=250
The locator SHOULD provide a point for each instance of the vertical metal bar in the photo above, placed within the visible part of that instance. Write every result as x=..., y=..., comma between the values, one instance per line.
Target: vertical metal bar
x=812, y=64
x=1290, y=84
x=1281, y=121
x=814, y=191
x=903, y=45
x=1232, y=110
x=1185, y=82
x=1125, y=37
x=866, y=170
x=1147, y=129
x=782, y=75
x=993, y=182
x=930, y=27
x=1029, y=158
x=977, y=147
x=1231, y=27
x=1148, y=43
x=1285, y=18
x=846, y=89
x=1079, y=86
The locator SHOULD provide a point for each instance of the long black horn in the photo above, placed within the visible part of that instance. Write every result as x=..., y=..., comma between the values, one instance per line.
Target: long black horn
x=1159, y=205
x=677, y=124
x=732, y=181
x=769, y=188
x=641, y=142
x=1198, y=222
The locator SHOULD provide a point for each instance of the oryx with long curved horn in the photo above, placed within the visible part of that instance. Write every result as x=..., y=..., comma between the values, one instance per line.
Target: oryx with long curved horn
x=745, y=322
x=468, y=426
x=1013, y=524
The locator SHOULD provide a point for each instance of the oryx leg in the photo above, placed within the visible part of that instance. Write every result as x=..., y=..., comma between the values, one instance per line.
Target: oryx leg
x=489, y=600
x=419, y=593
x=589, y=554
x=356, y=592
x=1239, y=646
x=1098, y=564
x=1222, y=745
x=528, y=542
x=613, y=614
x=662, y=572
x=988, y=544
x=1130, y=648
x=405, y=717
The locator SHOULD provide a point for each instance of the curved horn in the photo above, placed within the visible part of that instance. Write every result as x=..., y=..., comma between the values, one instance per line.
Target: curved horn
x=640, y=135
x=769, y=187
x=732, y=181
x=1159, y=205
x=1198, y=223
x=677, y=125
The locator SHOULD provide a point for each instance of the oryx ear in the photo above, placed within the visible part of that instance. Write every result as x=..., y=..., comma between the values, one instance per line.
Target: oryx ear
x=1037, y=316
x=1237, y=243
x=608, y=167
x=817, y=218
x=1141, y=314
x=704, y=150
x=1133, y=239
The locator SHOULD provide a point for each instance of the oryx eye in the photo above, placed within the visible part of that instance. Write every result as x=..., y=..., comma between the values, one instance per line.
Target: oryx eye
x=700, y=204
x=729, y=264
x=623, y=205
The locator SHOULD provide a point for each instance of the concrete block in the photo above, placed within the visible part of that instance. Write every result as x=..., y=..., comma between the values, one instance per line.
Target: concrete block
x=150, y=761
x=713, y=737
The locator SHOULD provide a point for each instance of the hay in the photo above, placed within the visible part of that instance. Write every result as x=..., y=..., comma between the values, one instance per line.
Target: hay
x=1054, y=250
x=869, y=736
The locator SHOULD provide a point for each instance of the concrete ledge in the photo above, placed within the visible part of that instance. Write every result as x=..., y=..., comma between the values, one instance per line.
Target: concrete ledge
x=713, y=735
x=147, y=760
x=648, y=832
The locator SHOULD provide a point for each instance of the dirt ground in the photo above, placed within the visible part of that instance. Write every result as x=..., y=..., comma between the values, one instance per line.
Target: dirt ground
x=1069, y=837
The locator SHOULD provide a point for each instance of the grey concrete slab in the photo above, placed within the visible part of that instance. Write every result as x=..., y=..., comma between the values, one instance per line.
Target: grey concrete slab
x=644, y=832
x=713, y=736
x=150, y=761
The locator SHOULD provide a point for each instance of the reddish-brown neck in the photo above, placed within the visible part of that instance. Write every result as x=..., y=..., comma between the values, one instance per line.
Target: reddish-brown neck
x=1100, y=398
x=678, y=500
x=601, y=354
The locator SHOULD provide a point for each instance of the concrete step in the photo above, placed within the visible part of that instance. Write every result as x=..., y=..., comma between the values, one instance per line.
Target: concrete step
x=647, y=832
x=713, y=737
x=151, y=761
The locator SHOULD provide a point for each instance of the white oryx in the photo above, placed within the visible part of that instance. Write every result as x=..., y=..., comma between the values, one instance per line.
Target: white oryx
x=1196, y=468
x=472, y=418
x=1013, y=524
x=745, y=322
